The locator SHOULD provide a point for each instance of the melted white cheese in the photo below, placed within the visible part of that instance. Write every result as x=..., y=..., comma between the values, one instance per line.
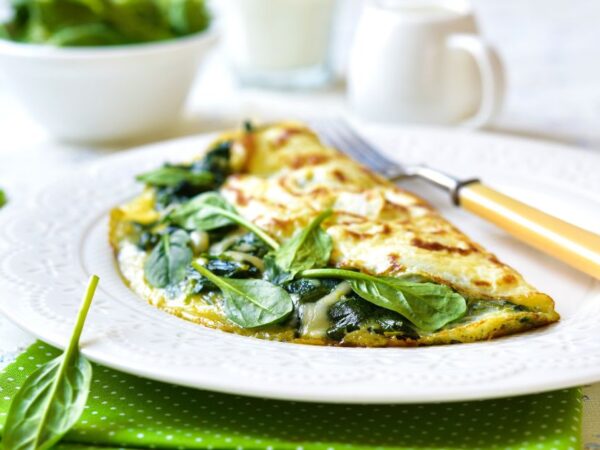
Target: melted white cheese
x=315, y=319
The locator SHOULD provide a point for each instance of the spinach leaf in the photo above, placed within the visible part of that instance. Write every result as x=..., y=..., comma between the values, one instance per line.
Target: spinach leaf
x=429, y=306
x=250, y=303
x=203, y=212
x=186, y=17
x=172, y=175
x=308, y=248
x=52, y=398
x=209, y=211
x=2, y=198
x=86, y=34
x=167, y=263
x=354, y=313
x=125, y=15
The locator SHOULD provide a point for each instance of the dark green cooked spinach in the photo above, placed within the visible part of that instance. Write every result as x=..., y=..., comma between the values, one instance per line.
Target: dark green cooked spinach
x=232, y=269
x=198, y=283
x=354, y=313
x=477, y=308
x=216, y=162
x=310, y=290
x=251, y=244
x=176, y=184
x=146, y=236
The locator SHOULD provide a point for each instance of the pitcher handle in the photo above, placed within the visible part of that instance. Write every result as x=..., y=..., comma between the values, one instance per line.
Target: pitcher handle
x=491, y=74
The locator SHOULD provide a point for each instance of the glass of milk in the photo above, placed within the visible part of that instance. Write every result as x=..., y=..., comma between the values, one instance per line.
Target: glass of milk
x=279, y=43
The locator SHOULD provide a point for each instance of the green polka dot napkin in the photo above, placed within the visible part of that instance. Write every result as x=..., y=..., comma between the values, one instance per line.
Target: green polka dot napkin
x=125, y=411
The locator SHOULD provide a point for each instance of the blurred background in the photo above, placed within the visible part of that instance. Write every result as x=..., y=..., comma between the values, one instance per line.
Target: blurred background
x=550, y=52
x=549, y=49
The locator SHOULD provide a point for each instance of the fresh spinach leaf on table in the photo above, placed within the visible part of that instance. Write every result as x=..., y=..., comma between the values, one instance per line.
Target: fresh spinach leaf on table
x=250, y=303
x=308, y=248
x=168, y=261
x=53, y=397
x=429, y=306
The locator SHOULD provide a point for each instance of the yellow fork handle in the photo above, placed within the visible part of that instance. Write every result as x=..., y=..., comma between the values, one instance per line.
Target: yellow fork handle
x=572, y=245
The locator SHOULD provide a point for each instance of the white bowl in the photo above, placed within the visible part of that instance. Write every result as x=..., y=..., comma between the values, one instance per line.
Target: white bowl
x=100, y=94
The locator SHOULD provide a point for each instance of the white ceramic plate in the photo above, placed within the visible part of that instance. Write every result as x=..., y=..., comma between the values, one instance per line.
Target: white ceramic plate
x=49, y=248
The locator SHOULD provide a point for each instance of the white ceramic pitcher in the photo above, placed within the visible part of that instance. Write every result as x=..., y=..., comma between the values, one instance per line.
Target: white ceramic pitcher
x=423, y=61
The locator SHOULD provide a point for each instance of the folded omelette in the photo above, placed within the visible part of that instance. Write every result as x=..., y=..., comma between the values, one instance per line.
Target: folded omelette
x=271, y=234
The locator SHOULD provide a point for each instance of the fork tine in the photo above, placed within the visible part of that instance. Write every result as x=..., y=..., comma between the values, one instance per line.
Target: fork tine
x=368, y=153
x=340, y=134
x=323, y=128
x=328, y=132
x=329, y=135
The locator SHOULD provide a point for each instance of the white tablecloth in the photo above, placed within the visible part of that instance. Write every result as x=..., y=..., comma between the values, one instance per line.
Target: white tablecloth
x=552, y=55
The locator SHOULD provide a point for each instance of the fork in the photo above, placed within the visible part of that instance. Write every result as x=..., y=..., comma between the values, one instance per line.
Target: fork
x=572, y=245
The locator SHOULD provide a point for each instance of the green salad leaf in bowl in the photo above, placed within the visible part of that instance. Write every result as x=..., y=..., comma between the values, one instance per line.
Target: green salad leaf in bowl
x=103, y=22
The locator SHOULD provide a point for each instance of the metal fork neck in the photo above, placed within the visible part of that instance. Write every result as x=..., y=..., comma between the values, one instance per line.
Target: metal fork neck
x=442, y=180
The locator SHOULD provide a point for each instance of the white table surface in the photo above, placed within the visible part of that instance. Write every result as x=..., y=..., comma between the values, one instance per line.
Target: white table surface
x=551, y=51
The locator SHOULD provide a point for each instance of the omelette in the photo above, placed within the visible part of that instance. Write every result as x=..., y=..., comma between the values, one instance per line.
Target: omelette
x=271, y=234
